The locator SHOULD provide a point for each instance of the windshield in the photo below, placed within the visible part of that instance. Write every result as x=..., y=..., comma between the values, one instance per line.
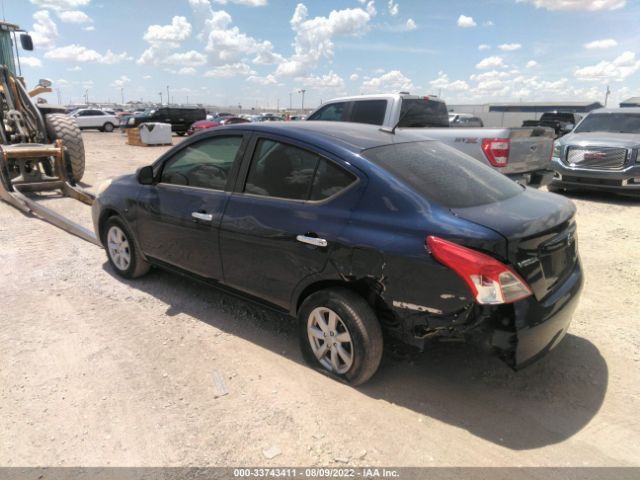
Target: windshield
x=421, y=112
x=443, y=174
x=610, y=122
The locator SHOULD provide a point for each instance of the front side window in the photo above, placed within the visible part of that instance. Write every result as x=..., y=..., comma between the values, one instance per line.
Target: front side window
x=206, y=164
x=331, y=113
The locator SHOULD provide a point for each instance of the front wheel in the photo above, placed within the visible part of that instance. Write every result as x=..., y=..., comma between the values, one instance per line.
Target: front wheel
x=340, y=334
x=122, y=252
x=107, y=127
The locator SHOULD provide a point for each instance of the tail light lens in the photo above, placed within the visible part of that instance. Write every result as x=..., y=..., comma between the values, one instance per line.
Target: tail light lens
x=490, y=281
x=496, y=150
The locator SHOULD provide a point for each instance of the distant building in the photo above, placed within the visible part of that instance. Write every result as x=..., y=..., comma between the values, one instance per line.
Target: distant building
x=631, y=102
x=513, y=114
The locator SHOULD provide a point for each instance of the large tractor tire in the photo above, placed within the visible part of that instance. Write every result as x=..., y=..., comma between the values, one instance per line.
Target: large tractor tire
x=60, y=126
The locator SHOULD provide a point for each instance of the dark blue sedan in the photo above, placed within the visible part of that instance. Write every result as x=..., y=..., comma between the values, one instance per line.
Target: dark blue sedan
x=360, y=233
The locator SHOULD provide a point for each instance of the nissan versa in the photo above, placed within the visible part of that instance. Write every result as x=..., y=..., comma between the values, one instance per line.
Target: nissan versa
x=357, y=231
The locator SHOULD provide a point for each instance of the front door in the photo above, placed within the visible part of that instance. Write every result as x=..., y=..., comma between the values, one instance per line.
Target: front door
x=283, y=225
x=179, y=217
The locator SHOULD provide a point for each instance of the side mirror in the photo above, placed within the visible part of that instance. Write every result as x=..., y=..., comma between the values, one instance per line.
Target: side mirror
x=45, y=83
x=145, y=175
x=26, y=42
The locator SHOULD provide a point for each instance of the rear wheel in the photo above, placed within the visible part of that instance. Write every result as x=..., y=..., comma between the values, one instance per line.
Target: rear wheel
x=340, y=335
x=122, y=252
x=59, y=126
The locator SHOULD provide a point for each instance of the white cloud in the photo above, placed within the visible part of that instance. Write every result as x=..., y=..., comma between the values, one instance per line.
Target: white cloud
x=186, y=59
x=606, y=43
x=231, y=70
x=247, y=3
x=89, y=28
x=169, y=35
x=187, y=71
x=268, y=80
x=509, y=47
x=78, y=53
x=618, y=70
x=354, y=77
x=588, y=5
x=410, y=25
x=30, y=61
x=484, y=46
x=393, y=81
x=490, y=62
x=371, y=8
x=61, y=4
x=488, y=23
x=121, y=82
x=444, y=83
x=466, y=22
x=314, y=37
x=44, y=31
x=74, y=16
x=330, y=81
x=532, y=64
x=394, y=8
x=77, y=68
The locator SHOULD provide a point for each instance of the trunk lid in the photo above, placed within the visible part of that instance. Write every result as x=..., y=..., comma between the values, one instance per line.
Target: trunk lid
x=529, y=149
x=541, y=235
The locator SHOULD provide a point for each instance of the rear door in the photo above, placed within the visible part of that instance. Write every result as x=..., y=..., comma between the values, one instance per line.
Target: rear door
x=179, y=217
x=285, y=218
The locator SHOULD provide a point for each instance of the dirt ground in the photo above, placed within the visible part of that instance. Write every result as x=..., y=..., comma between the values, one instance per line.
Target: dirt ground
x=97, y=371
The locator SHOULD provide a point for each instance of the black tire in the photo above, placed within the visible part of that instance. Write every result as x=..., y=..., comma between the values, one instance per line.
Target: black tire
x=362, y=325
x=555, y=188
x=137, y=266
x=59, y=126
x=108, y=127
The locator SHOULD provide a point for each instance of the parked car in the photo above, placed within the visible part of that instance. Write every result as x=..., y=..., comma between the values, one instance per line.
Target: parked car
x=94, y=118
x=355, y=231
x=522, y=154
x=602, y=153
x=459, y=120
x=180, y=118
x=217, y=122
x=561, y=122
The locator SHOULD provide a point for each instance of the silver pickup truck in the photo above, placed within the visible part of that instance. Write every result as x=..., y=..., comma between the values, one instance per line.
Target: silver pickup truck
x=602, y=153
x=522, y=154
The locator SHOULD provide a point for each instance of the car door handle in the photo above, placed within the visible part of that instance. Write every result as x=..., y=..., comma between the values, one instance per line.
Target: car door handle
x=205, y=217
x=316, y=242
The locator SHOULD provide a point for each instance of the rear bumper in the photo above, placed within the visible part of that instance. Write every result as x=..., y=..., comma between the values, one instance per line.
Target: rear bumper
x=536, y=179
x=541, y=325
x=611, y=180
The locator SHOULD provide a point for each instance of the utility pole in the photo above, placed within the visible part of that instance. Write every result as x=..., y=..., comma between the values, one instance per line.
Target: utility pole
x=86, y=96
x=290, y=100
x=59, y=96
x=278, y=105
x=168, y=96
x=160, y=93
x=122, y=95
x=606, y=96
x=187, y=99
x=302, y=91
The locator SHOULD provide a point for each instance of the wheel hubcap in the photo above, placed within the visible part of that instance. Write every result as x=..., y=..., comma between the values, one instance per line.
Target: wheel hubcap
x=118, y=246
x=330, y=340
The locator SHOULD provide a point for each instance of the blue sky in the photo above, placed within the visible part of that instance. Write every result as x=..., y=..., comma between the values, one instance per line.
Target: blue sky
x=258, y=52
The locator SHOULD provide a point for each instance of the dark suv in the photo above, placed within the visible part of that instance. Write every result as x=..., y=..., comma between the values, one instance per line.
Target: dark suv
x=356, y=231
x=180, y=118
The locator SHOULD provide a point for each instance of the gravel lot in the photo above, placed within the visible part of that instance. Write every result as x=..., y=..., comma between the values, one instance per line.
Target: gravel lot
x=96, y=371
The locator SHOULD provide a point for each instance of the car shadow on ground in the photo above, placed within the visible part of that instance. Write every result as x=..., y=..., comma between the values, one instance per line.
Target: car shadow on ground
x=454, y=383
x=602, y=197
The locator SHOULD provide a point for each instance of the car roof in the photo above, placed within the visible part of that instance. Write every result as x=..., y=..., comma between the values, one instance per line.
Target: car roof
x=351, y=136
x=382, y=96
x=617, y=110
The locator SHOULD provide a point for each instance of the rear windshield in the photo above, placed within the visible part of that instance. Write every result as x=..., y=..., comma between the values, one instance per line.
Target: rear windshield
x=443, y=174
x=610, y=122
x=421, y=112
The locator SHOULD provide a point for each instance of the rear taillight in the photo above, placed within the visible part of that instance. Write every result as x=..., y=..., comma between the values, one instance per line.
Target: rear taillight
x=491, y=281
x=496, y=150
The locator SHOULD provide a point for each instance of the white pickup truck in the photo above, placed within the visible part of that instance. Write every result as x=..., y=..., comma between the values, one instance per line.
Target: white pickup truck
x=522, y=154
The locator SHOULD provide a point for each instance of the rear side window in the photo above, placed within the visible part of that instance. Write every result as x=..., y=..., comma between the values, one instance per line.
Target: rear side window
x=332, y=112
x=369, y=111
x=443, y=174
x=425, y=112
x=284, y=171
